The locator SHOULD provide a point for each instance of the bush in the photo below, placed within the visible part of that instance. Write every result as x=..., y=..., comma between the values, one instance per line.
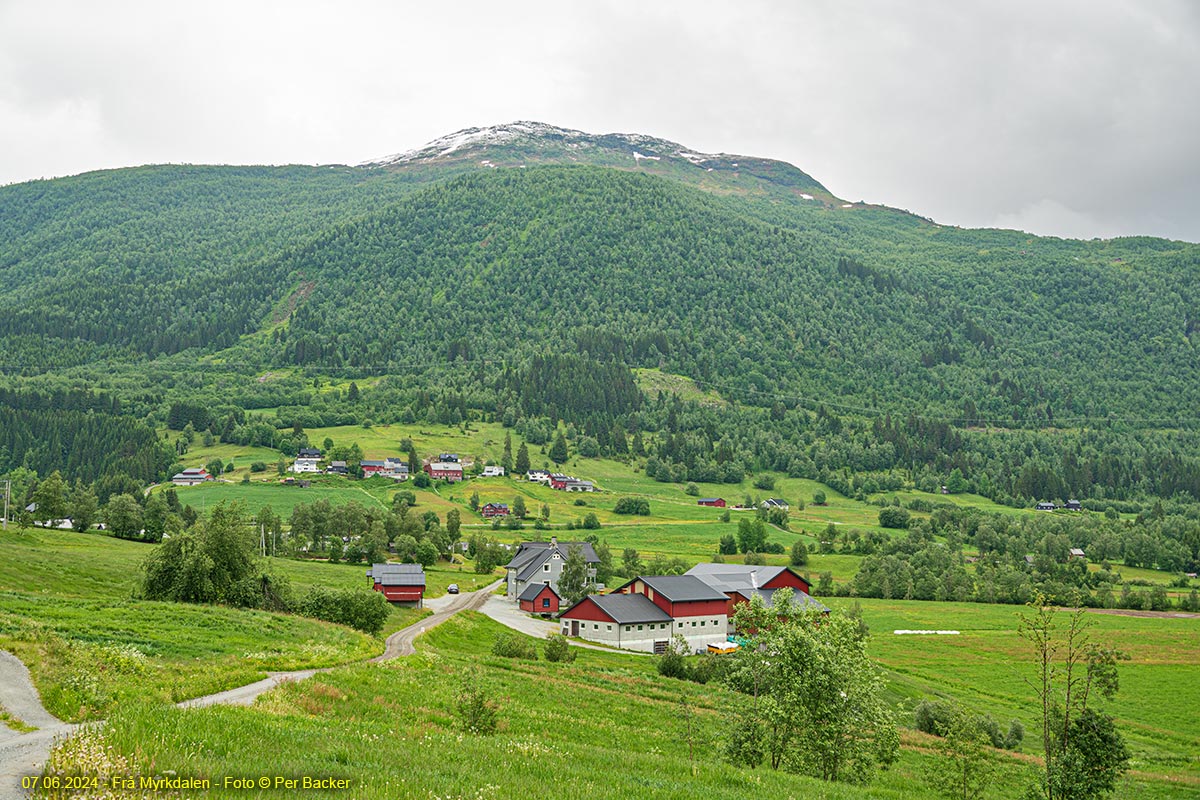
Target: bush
x=774, y=548
x=893, y=517
x=691, y=489
x=1016, y=735
x=673, y=664
x=579, y=501
x=591, y=522
x=476, y=713
x=799, y=554
x=363, y=609
x=632, y=505
x=512, y=645
x=258, y=466
x=558, y=649
x=765, y=482
x=754, y=559
x=933, y=716
x=710, y=668
x=422, y=480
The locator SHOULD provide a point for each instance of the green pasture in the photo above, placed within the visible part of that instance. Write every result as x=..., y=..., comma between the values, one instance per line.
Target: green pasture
x=985, y=667
x=606, y=725
x=68, y=608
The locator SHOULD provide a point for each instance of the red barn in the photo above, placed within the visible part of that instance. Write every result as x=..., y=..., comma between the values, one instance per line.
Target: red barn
x=400, y=583
x=445, y=470
x=715, y=502
x=494, y=510
x=539, y=599
x=740, y=582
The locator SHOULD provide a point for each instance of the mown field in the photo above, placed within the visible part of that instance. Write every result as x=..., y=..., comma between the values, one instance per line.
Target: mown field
x=607, y=726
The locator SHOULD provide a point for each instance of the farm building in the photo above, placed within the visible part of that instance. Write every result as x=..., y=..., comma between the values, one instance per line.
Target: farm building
x=309, y=452
x=449, y=458
x=191, y=477
x=494, y=510
x=542, y=563
x=445, y=470
x=646, y=612
x=493, y=472
x=400, y=583
x=1076, y=554
x=1073, y=505
x=774, y=502
x=305, y=464
x=740, y=582
x=372, y=468
x=567, y=483
x=337, y=468
x=715, y=502
x=539, y=599
x=1046, y=506
x=538, y=476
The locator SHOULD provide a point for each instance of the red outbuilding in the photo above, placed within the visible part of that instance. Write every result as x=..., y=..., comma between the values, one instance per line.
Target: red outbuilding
x=445, y=470
x=715, y=502
x=399, y=583
x=539, y=599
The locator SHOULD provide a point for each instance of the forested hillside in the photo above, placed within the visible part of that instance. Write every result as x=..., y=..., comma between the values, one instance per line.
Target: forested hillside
x=859, y=345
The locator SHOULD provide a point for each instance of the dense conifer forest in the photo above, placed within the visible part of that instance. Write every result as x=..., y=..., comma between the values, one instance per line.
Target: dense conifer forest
x=861, y=346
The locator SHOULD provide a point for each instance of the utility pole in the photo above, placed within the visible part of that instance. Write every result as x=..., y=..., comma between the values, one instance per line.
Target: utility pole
x=7, y=488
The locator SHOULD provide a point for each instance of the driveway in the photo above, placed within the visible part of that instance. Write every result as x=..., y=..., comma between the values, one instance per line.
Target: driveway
x=507, y=613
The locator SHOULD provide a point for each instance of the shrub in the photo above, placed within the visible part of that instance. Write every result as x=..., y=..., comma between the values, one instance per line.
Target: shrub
x=765, y=482
x=754, y=559
x=774, y=548
x=363, y=609
x=591, y=522
x=476, y=713
x=1015, y=735
x=579, y=501
x=672, y=663
x=558, y=649
x=893, y=517
x=632, y=505
x=512, y=645
x=692, y=490
x=258, y=466
x=933, y=716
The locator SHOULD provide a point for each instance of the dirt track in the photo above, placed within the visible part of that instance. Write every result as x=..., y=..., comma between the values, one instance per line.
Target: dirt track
x=24, y=754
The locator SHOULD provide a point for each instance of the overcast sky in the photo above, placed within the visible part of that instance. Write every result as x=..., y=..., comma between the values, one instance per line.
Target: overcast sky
x=1053, y=116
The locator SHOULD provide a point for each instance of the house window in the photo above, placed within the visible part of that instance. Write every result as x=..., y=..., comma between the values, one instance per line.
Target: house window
x=545, y=567
x=608, y=627
x=628, y=628
x=545, y=602
x=595, y=626
x=693, y=623
x=701, y=623
x=639, y=627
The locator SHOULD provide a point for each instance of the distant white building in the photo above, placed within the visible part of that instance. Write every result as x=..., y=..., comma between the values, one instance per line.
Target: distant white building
x=493, y=472
x=306, y=465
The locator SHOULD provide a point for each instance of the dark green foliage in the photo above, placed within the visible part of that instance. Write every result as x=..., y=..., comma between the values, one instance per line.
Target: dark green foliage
x=673, y=662
x=558, y=451
x=632, y=505
x=799, y=557
x=362, y=609
x=728, y=545
x=764, y=482
x=591, y=522
x=557, y=648
x=514, y=645
x=893, y=517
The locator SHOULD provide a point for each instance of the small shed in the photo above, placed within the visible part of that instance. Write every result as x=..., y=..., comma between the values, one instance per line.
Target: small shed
x=715, y=502
x=539, y=599
x=400, y=583
x=1076, y=553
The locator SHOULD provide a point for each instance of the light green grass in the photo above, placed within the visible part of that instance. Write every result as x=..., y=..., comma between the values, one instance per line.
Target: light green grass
x=985, y=668
x=607, y=726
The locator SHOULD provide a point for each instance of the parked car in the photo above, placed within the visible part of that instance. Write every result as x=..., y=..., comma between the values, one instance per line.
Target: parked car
x=452, y=588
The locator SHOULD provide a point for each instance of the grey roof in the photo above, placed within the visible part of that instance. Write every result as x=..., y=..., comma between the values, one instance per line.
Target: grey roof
x=735, y=572
x=397, y=574
x=534, y=589
x=627, y=609
x=745, y=579
x=366, y=463
x=531, y=555
x=681, y=588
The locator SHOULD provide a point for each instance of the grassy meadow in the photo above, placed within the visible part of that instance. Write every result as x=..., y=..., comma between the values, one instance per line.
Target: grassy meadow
x=68, y=609
x=607, y=726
